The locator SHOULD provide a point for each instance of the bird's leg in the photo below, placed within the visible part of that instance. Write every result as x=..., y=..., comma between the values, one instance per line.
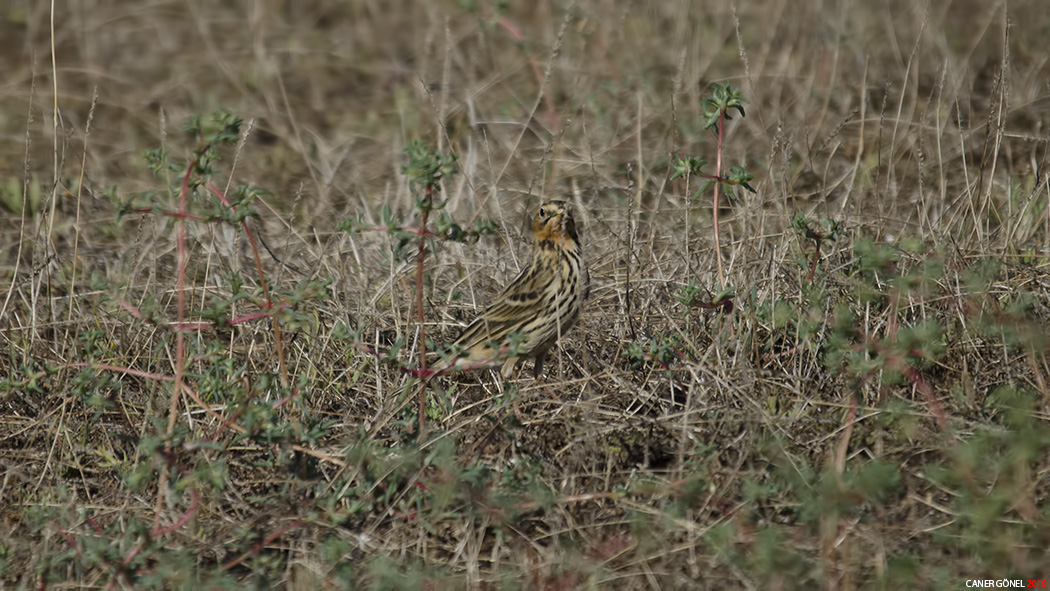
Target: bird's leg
x=537, y=369
x=537, y=372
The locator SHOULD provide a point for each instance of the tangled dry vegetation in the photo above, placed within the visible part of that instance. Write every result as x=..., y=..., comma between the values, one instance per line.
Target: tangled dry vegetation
x=862, y=403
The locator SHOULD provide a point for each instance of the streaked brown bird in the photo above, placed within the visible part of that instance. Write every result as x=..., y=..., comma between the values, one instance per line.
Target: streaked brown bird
x=538, y=307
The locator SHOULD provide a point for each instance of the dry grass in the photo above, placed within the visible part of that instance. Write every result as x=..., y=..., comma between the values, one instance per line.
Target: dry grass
x=881, y=421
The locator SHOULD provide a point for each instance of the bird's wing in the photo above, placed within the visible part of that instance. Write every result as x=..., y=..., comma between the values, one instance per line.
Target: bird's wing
x=516, y=307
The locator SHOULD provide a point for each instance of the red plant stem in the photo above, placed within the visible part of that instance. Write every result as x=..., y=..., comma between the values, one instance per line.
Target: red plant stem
x=714, y=205
x=847, y=432
x=195, y=498
x=724, y=303
x=899, y=362
x=920, y=383
x=123, y=370
x=262, y=283
x=180, y=338
x=271, y=312
x=420, y=254
x=813, y=265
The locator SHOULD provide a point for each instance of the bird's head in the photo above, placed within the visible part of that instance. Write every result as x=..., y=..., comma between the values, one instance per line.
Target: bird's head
x=553, y=224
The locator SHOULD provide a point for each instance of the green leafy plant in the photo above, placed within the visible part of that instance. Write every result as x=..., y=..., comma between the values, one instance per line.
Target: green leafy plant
x=717, y=108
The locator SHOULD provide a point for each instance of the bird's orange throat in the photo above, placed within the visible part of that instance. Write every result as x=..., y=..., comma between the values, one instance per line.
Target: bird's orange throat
x=557, y=233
